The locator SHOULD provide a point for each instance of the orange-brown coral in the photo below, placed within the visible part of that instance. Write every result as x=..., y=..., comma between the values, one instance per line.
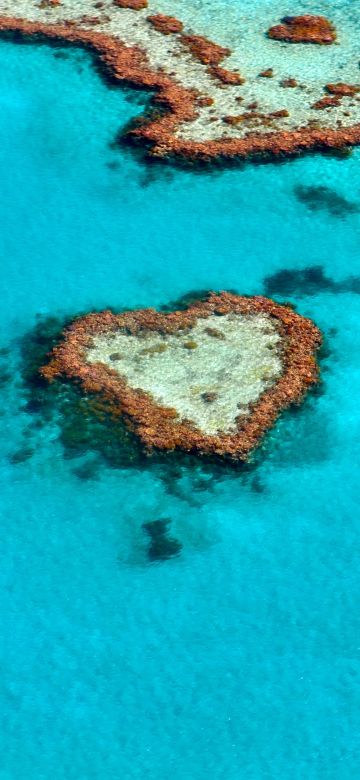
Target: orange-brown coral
x=204, y=100
x=267, y=74
x=49, y=3
x=292, y=83
x=165, y=24
x=258, y=116
x=304, y=29
x=329, y=101
x=207, y=52
x=159, y=427
x=135, y=5
x=344, y=90
x=129, y=65
x=226, y=76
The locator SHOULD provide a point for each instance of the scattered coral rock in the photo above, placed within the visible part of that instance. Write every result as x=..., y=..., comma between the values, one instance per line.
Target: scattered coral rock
x=49, y=3
x=135, y=5
x=329, y=101
x=267, y=74
x=280, y=114
x=226, y=76
x=209, y=397
x=207, y=52
x=215, y=333
x=292, y=83
x=165, y=24
x=205, y=100
x=304, y=29
x=344, y=90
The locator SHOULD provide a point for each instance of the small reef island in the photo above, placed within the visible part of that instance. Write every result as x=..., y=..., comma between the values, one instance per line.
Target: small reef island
x=211, y=101
x=210, y=379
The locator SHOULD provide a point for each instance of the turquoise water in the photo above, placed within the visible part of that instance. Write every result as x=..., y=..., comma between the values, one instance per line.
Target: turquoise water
x=240, y=657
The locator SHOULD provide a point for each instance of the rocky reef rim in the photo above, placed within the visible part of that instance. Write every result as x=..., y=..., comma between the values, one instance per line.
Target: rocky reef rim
x=157, y=426
x=174, y=104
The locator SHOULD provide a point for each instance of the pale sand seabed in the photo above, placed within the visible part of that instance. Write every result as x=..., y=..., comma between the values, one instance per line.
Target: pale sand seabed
x=244, y=33
x=238, y=365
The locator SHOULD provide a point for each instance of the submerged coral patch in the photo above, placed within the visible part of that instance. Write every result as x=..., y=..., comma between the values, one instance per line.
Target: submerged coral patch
x=162, y=546
x=308, y=281
x=176, y=385
x=322, y=198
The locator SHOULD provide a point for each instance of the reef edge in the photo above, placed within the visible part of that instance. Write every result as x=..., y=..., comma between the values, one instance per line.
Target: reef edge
x=156, y=426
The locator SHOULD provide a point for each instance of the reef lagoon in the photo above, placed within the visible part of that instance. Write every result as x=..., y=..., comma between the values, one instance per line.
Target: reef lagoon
x=170, y=616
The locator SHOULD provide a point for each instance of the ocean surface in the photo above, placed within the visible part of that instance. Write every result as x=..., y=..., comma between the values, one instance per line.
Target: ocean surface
x=238, y=658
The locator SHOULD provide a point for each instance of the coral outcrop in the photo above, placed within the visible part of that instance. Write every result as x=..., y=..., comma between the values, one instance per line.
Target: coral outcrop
x=304, y=29
x=166, y=25
x=274, y=382
x=135, y=5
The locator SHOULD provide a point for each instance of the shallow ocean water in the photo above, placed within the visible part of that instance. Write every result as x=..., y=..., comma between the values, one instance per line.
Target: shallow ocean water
x=240, y=657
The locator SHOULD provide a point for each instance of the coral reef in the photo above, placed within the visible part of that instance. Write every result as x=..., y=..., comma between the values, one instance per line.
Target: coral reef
x=207, y=52
x=226, y=76
x=135, y=5
x=187, y=122
x=304, y=29
x=160, y=427
x=329, y=101
x=165, y=24
x=345, y=90
x=290, y=82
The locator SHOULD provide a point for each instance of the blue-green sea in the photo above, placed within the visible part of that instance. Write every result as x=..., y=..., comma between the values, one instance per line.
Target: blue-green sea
x=238, y=659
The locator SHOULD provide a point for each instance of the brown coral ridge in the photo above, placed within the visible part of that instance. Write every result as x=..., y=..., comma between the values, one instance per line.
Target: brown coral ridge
x=159, y=427
x=304, y=29
x=344, y=90
x=226, y=76
x=129, y=65
x=205, y=51
x=328, y=101
x=165, y=24
x=135, y=5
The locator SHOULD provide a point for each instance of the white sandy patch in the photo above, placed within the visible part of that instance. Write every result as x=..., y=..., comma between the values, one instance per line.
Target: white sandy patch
x=177, y=370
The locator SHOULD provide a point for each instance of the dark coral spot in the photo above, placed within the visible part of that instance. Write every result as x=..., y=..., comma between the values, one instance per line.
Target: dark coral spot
x=321, y=198
x=21, y=455
x=162, y=546
x=5, y=378
x=307, y=281
x=87, y=471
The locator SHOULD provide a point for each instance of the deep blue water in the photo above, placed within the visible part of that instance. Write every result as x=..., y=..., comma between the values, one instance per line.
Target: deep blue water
x=239, y=658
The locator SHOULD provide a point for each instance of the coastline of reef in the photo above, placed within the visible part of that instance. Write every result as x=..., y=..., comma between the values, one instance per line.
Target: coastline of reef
x=159, y=427
x=176, y=107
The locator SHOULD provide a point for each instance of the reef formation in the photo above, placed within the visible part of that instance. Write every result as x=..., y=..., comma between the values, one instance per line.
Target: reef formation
x=304, y=29
x=203, y=109
x=210, y=379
